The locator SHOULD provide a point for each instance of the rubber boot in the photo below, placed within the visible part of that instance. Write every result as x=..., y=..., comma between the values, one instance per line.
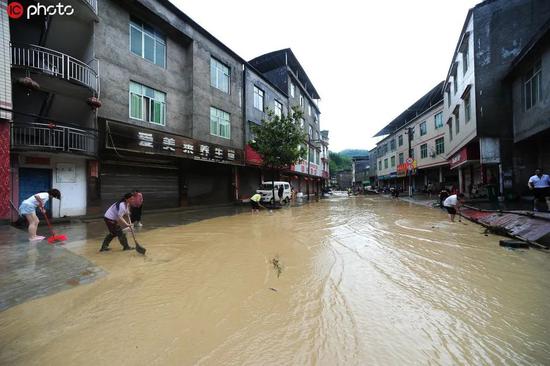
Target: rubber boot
x=105, y=245
x=124, y=242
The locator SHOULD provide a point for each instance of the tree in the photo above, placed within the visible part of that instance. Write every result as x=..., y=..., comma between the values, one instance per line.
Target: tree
x=338, y=162
x=279, y=141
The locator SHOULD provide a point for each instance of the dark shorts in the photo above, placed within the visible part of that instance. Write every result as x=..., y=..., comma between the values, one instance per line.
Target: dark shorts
x=255, y=205
x=113, y=226
x=451, y=210
x=540, y=193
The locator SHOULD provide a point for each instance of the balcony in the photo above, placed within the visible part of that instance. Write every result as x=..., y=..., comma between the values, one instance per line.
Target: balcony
x=51, y=137
x=55, y=64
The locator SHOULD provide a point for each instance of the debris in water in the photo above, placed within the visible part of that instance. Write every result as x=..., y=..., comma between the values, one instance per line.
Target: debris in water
x=277, y=265
x=273, y=289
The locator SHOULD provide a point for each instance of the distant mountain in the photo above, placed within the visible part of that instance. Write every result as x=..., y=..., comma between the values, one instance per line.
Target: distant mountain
x=354, y=152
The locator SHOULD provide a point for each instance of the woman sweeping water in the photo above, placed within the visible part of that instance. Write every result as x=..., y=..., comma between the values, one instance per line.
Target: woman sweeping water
x=28, y=209
x=114, y=219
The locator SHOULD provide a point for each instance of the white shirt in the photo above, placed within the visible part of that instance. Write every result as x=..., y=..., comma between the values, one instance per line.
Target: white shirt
x=542, y=182
x=450, y=201
x=113, y=214
x=44, y=196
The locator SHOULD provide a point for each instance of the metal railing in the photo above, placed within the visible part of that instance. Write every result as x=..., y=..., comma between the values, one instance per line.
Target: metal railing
x=46, y=137
x=92, y=4
x=54, y=63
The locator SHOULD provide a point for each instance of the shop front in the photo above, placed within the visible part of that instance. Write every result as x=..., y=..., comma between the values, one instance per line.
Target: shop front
x=170, y=170
x=466, y=161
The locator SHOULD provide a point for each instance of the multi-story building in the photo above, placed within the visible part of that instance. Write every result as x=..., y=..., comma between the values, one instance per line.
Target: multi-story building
x=284, y=70
x=413, y=153
x=360, y=166
x=55, y=85
x=530, y=83
x=137, y=96
x=172, y=113
x=477, y=108
x=261, y=96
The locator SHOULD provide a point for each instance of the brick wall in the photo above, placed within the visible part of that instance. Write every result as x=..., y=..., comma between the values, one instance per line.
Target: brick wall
x=5, y=117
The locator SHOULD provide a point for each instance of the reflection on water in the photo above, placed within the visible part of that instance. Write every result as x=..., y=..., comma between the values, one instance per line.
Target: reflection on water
x=362, y=281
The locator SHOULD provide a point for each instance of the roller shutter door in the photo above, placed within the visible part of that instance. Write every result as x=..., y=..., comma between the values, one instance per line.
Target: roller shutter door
x=160, y=187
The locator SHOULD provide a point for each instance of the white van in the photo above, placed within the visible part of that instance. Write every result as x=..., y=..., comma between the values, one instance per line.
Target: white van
x=267, y=192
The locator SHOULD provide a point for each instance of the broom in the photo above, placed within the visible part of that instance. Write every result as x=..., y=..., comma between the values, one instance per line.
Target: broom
x=141, y=250
x=54, y=238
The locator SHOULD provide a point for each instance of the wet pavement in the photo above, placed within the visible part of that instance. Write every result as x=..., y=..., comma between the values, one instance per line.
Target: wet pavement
x=29, y=270
x=344, y=281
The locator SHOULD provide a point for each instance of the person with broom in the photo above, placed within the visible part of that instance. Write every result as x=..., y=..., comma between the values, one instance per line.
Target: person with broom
x=114, y=219
x=28, y=210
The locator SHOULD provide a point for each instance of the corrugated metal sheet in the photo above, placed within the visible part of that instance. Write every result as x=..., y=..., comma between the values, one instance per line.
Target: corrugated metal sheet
x=527, y=228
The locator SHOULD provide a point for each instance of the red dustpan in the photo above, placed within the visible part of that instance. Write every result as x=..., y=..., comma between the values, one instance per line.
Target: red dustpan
x=54, y=238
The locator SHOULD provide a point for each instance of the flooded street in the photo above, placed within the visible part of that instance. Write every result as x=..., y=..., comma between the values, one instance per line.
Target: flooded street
x=357, y=281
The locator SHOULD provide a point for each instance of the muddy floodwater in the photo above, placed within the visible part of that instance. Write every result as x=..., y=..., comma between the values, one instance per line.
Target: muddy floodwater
x=344, y=281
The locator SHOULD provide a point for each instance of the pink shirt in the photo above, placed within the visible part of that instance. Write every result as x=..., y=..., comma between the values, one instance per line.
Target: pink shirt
x=137, y=200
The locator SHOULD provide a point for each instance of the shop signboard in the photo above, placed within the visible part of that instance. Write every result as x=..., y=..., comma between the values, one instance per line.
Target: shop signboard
x=459, y=158
x=124, y=137
x=407, y=168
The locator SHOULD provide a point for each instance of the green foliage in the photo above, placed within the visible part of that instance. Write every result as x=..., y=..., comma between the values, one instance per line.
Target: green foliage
x=354, y=152
x=279, y=139
x=338, y=162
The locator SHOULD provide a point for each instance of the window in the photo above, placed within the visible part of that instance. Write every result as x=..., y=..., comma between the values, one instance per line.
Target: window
x=393, y=161
x=219, y=75
x=400, y=140
x=301, y=101
x=438, y=120
x=401, y=159
x=450, y=124
x=423, y=128
x=147, y=43
x=457, y=121
x=448, y=98
x=392, y=145
x=380, y=165
x=147, y=104
x=385, y=163
x=455, y=80
x=309, y=109
x=423, y=151
x=219, y=123
x=532, y=92
x=440, y=145
x=467, y=109
x=465, y=58
x=292, y=91
x=278, y=109
x=310, y=132
x=258, y=98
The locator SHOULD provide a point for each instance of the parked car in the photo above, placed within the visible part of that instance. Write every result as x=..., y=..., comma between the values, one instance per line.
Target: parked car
x=267, y=192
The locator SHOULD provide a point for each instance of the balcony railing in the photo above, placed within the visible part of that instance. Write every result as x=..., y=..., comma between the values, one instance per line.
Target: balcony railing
x=51, y=137
x=92, y=4
x=54, y=63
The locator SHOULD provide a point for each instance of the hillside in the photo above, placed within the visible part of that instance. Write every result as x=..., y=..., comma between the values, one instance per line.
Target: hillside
x=353, y=152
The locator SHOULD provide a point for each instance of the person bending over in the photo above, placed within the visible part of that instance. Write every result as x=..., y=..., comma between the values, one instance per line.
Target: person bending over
x=114, y=218
x=452, y=204
x=28, y=210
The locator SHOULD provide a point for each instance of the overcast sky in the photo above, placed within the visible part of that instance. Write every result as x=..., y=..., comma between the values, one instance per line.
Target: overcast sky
x=369, y=60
